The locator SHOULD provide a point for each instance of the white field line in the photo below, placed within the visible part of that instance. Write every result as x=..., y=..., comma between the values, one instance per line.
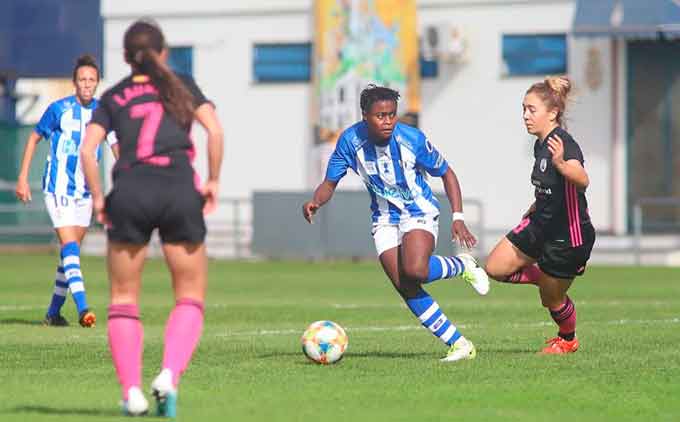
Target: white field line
x=291, y=331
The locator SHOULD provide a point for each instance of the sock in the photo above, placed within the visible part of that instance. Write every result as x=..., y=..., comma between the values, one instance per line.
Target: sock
x=526, y=275
x=59, y=294
x=432, y=318
x=444, y=267
x=126, y=336
x=70, y=256
x=565, y=318
x=182, y=333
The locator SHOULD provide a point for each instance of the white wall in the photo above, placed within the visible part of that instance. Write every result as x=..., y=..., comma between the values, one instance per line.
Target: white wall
x=470, y=111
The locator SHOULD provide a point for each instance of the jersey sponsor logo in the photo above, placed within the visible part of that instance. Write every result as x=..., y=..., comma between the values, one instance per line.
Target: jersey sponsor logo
x=544, y=164
x=387, y=192
x=544, y=191
x=371, y=168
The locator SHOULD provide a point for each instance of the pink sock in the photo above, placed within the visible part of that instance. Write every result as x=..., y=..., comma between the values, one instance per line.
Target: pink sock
x=126, y=337
x=181, y=336
x=565, y=317
x=526, y=275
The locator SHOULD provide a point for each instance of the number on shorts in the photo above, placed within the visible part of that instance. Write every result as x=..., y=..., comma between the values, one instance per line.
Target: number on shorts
x=152, y=113
x=521, y=226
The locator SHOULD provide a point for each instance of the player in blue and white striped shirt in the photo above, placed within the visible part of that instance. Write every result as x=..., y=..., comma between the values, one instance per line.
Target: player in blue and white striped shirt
x=67, y=197
x=393, y=160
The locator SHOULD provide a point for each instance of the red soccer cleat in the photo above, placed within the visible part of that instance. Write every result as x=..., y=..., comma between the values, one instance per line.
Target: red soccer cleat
x=560, y=346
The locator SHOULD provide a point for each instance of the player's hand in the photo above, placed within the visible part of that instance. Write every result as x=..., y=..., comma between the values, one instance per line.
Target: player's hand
x=23, y=191
x=98, y=204
x=556, y=147
x=460, y=233
x=308, y=210
x=210, y=190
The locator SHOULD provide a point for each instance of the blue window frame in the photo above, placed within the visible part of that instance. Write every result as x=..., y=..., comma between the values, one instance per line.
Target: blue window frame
x=181, y=60
x=290, y=62
x=525, y=55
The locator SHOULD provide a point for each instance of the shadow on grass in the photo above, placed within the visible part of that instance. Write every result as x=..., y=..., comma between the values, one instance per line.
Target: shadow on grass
x=18, y=321
x=47, y=410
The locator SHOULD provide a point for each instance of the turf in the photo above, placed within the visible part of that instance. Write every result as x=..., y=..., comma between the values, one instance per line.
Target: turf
x=249, y=366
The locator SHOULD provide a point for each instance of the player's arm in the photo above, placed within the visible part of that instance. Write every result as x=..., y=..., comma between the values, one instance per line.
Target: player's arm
x=571, y=169
x=23, y=189
x=322, y=194
x=206, y=116
x=459, y=230
x=94, y=135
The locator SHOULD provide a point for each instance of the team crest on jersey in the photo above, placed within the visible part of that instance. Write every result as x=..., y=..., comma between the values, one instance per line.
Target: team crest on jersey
x=544, y=164
x=371, y=168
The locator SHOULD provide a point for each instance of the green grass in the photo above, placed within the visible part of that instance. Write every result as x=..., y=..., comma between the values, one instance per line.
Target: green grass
x=627, y=369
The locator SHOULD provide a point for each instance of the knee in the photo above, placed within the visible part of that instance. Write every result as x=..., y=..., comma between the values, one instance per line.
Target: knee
x=494, y=271
x=416, y=271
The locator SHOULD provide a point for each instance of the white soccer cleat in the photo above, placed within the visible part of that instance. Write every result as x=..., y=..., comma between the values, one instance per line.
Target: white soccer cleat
x=165, y=393
x=474, y=274
x=462, y=349
x=136, y=404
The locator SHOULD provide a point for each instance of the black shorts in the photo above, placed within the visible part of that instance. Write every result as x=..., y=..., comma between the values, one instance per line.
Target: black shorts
x=554, y=255
x=136, y=207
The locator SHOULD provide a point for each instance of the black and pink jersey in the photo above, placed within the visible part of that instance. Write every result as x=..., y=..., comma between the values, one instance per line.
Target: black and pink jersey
x=147, y=133
x=561, y=208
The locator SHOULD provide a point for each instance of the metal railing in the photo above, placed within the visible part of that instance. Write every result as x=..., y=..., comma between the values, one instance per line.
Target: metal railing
x=638, y=221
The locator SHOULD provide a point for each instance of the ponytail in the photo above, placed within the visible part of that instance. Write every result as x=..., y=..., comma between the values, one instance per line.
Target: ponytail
x=144, y=42
x=176, y=98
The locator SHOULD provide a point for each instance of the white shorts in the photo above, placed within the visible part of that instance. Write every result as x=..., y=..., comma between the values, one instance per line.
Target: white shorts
x=67, y=211
x=388, y=236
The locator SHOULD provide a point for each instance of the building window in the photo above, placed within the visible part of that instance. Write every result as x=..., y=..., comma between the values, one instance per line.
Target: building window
x=526, y=55
x=181, y=60
x=282, y=62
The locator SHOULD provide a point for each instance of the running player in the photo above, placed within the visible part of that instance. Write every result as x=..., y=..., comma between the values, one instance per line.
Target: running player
x=67, y=197
x=154, y=186
x=552, y=244
x=393, y=159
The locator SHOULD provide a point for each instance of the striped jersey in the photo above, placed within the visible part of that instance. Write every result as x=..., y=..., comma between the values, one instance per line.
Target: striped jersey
x=394, y=174
x=63, y=126
x=561, y=207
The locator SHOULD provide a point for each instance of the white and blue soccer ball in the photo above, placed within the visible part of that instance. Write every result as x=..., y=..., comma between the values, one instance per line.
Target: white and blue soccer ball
x=324, y=342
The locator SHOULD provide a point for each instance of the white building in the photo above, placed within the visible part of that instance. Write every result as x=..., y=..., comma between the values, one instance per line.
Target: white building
x=471, y=110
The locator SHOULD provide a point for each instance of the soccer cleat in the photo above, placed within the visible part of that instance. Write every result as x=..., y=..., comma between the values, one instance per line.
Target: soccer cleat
x=55, y=321
x=136, y=404
x=462, y=349
x=560, y=346
x=165, y=393
x=87, y=319
x=474, y=274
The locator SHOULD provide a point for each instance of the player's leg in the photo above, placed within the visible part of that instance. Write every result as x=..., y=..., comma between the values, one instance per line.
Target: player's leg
x=189, y=267
x=182, y=231
x=562, y=310
x=443, y=267
x=415, y=252
x=125, y=331
x=68, y=220
x=70, y=238
x=507, y=263
x=560, y=264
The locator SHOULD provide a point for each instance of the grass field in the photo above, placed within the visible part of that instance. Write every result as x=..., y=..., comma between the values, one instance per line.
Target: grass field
x=249, y=366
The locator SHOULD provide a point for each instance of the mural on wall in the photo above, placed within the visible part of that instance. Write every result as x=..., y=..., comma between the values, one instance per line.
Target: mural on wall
x=359, y=42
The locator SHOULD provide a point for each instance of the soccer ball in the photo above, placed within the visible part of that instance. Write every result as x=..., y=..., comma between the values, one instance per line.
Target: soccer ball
x=324, y=342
